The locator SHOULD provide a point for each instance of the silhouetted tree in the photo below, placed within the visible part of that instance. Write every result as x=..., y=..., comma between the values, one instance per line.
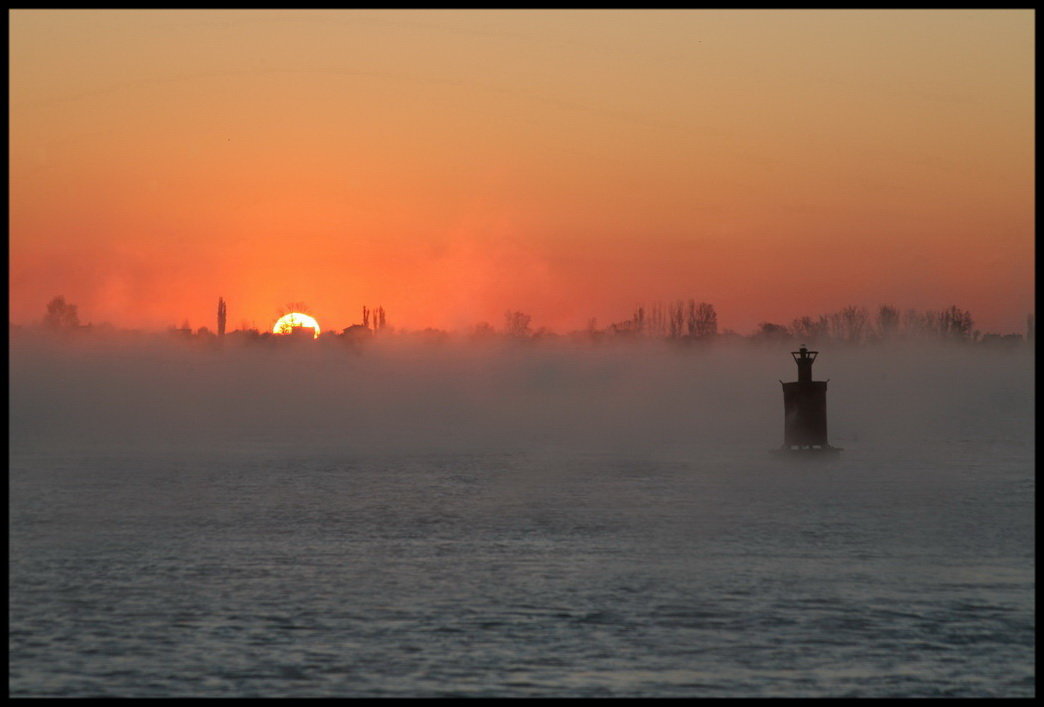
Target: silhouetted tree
x=956, y=324
x=920, y=324
x=810, y=330
x=951, y=324
x=767, y=331
x=516, y=324
x=61, y=314
x=221, y=317
x=675, y=319
x=483, y=330
x=849, y=324
x=639, y=319
x=366, y=317
x=887, y=322
x=657, y=325
x=380, y=317
x=703, y=320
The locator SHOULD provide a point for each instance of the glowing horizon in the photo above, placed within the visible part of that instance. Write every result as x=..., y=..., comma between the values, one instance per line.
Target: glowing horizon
x=454, y=165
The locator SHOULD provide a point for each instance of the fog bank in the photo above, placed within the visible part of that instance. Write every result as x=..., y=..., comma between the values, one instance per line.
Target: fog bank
x=111, y=397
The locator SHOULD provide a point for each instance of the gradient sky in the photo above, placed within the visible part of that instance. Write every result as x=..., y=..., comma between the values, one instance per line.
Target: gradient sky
x=450, y=165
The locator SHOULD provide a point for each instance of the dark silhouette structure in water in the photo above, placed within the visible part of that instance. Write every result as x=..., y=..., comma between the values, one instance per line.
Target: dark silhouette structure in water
x=804, y=404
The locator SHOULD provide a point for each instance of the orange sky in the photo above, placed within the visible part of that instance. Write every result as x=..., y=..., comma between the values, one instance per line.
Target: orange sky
x=450, y=165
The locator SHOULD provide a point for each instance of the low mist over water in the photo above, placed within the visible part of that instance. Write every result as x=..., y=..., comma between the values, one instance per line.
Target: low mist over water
x=420, y=518
x=398, y=395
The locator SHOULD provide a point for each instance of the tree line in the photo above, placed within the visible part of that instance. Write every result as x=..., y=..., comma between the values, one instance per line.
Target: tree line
x=857, y=325
x=678, y=320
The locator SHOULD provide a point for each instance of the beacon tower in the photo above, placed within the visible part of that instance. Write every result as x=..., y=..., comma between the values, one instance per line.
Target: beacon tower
x=804, y=405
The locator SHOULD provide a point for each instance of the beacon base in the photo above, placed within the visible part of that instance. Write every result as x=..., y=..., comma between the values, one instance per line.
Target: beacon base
x=811, y=450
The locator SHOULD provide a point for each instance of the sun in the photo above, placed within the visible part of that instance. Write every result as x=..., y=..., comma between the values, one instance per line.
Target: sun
x=288, y=322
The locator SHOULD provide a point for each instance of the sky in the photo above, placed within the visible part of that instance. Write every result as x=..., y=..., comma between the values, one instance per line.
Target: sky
x=450, y=165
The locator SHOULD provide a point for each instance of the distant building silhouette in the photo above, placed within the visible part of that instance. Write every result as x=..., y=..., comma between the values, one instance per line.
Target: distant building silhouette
x=356, y=332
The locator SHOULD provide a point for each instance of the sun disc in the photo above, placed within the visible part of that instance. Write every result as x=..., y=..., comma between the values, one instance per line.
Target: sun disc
x=288, y=322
